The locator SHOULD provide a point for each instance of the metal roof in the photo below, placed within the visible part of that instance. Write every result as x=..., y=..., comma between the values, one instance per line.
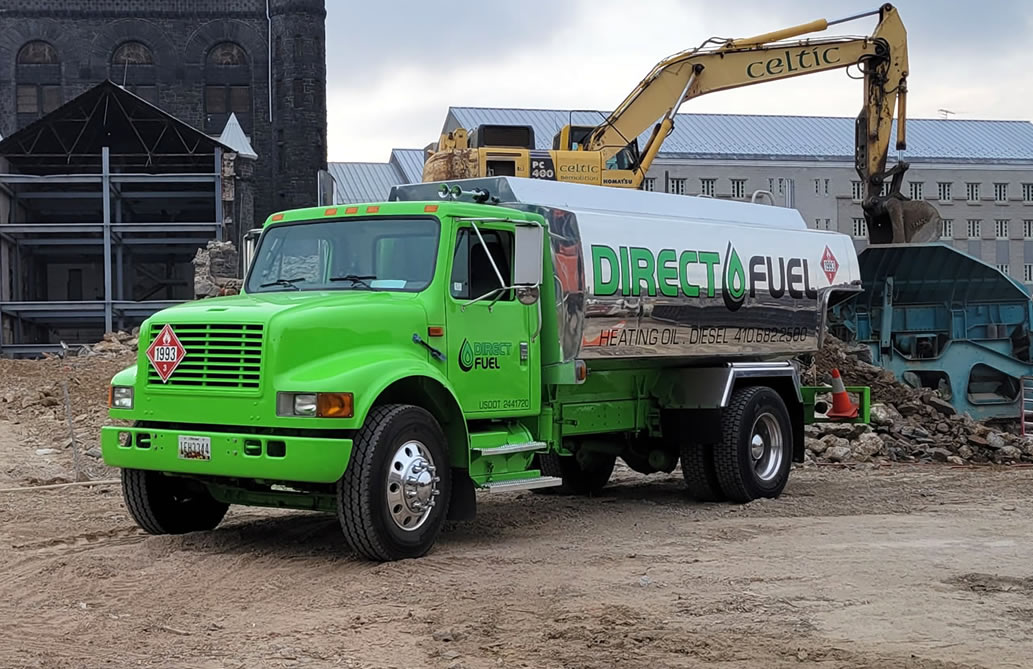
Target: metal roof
x=364, y=182
x=410, y=162
x=749, y=136
x=233, y=135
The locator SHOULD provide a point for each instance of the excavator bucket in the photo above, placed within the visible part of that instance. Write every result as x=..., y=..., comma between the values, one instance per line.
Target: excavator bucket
x=894, y=219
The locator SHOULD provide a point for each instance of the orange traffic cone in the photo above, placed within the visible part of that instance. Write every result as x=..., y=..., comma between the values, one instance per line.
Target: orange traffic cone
x=842, y=407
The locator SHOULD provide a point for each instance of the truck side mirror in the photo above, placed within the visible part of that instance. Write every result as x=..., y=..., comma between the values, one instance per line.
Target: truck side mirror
x=527, y=262
x=250, y=244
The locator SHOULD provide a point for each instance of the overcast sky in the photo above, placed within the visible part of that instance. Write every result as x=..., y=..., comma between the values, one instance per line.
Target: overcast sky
x=394, y=67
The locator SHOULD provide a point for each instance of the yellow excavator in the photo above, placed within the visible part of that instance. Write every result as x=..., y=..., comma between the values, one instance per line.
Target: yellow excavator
x=607, y=154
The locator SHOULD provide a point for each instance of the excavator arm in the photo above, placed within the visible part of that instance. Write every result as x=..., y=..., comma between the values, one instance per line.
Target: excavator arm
x=720, y=65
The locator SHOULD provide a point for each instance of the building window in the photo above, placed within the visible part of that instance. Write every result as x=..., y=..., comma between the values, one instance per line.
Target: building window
x=1027, y=273
x=37, y=53
x=1001, y=228
x=132, y=53
x=975, y=228
x=1027, y=229
x=678, y=186
x=739, y=188
x=972, y=192
x=1027, y=192
x=298, y=93
x=1000, y=192
x=860, y=228
x=1003, y=268
x=947, y=228
x=132, y=64
x=37, y=81
x=856, y=191
x=916, y=190
x=649, y=184
x=227, y=87
x=706, y=187
x=227, y=53
x=943, y=191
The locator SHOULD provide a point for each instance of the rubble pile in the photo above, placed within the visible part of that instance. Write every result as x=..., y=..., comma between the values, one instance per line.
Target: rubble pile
x=907, y=424
x=215, y=270
x=32, y=396
x=113, y=344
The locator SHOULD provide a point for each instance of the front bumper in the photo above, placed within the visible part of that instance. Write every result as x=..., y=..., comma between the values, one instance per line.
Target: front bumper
x=307, y=459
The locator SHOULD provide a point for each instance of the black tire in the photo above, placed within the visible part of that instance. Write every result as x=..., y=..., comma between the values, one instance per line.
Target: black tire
x=163, y=504
x=576, y=479
x=734, y=461
x=700, y=474
x=364, y=508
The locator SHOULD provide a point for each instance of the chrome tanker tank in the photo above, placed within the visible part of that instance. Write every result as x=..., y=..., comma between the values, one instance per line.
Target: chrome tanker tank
x=643, y=274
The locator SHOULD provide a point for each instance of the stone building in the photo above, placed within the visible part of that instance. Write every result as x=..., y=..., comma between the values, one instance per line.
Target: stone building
x=262, y=61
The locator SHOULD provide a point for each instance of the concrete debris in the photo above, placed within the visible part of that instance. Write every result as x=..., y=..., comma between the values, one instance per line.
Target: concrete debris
x=907, y=424
x=33, y=397
x=215, y=270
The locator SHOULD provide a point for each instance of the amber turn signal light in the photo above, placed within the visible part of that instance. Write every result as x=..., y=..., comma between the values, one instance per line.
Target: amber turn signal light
x=334, y=405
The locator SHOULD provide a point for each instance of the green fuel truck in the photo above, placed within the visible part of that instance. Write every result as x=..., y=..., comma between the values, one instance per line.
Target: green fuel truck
x=386, y=361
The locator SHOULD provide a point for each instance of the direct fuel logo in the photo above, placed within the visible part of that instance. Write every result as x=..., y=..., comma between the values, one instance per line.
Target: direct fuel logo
x=483, y=354
x=734, y=289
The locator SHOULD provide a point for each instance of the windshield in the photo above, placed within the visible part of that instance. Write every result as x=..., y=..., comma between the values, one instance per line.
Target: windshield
x=347, y=254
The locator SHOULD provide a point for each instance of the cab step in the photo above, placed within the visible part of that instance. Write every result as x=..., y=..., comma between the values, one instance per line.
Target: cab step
x=524, y=484
x=507, y=449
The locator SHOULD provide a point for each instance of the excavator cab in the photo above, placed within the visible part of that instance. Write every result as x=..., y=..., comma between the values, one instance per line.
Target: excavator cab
x=575, y=138
x=571, y=137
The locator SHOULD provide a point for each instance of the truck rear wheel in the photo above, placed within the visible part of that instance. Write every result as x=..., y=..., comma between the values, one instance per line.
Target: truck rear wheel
x=163, y=504
x=393, y=497
x=585, y=477
x=755, y=457
x=697, y=468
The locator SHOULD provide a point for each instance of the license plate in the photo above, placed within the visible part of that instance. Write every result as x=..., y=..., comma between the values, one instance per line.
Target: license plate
x=195, y=448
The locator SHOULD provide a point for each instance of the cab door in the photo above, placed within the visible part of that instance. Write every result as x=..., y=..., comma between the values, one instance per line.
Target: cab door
x=490, y=351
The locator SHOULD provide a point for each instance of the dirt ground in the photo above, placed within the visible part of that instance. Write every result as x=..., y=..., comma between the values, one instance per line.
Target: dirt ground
x=922, y=566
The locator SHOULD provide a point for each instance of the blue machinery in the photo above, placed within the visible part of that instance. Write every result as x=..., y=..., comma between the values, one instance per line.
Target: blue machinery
x=939, y=318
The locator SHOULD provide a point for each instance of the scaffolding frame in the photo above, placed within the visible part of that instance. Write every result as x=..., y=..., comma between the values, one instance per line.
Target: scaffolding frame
x=183, y=167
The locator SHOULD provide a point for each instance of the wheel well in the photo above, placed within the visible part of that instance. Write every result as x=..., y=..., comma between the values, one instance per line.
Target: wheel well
x=783, y=385
x=430, y=395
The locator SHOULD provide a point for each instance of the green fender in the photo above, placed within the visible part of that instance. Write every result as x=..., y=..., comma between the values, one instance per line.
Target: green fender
x=379, y=374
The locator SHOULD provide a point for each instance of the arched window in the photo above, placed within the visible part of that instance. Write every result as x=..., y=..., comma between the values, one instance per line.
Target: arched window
x=37, y=81
x=132, y=53
x=227, y=87
x=132, y=64
x=37, y=53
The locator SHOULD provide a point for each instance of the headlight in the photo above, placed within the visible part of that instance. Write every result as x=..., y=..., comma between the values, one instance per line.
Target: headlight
x=305, y=404
x=121, y=397
x=320, y=405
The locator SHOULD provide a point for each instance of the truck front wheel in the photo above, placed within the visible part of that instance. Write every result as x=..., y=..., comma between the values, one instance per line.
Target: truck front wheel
x=393, y=497
x=163, y=504
x=754, y=457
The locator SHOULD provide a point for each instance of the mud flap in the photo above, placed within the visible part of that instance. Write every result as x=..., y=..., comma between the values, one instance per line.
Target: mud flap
x=463, y=503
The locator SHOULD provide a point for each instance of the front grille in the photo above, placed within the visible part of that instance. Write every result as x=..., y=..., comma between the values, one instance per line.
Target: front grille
x=218, y=356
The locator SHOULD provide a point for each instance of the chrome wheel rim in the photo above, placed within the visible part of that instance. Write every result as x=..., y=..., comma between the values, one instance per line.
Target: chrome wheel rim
x=412, y=485
x=767, y=447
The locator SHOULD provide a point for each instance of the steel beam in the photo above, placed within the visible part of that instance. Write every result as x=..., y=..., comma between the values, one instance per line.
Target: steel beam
x=50, y=179
x=178, y=178
x=218, y=194
x=106, y=189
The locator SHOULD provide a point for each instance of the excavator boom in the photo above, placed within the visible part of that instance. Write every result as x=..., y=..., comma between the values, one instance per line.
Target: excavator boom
x=609, y=150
